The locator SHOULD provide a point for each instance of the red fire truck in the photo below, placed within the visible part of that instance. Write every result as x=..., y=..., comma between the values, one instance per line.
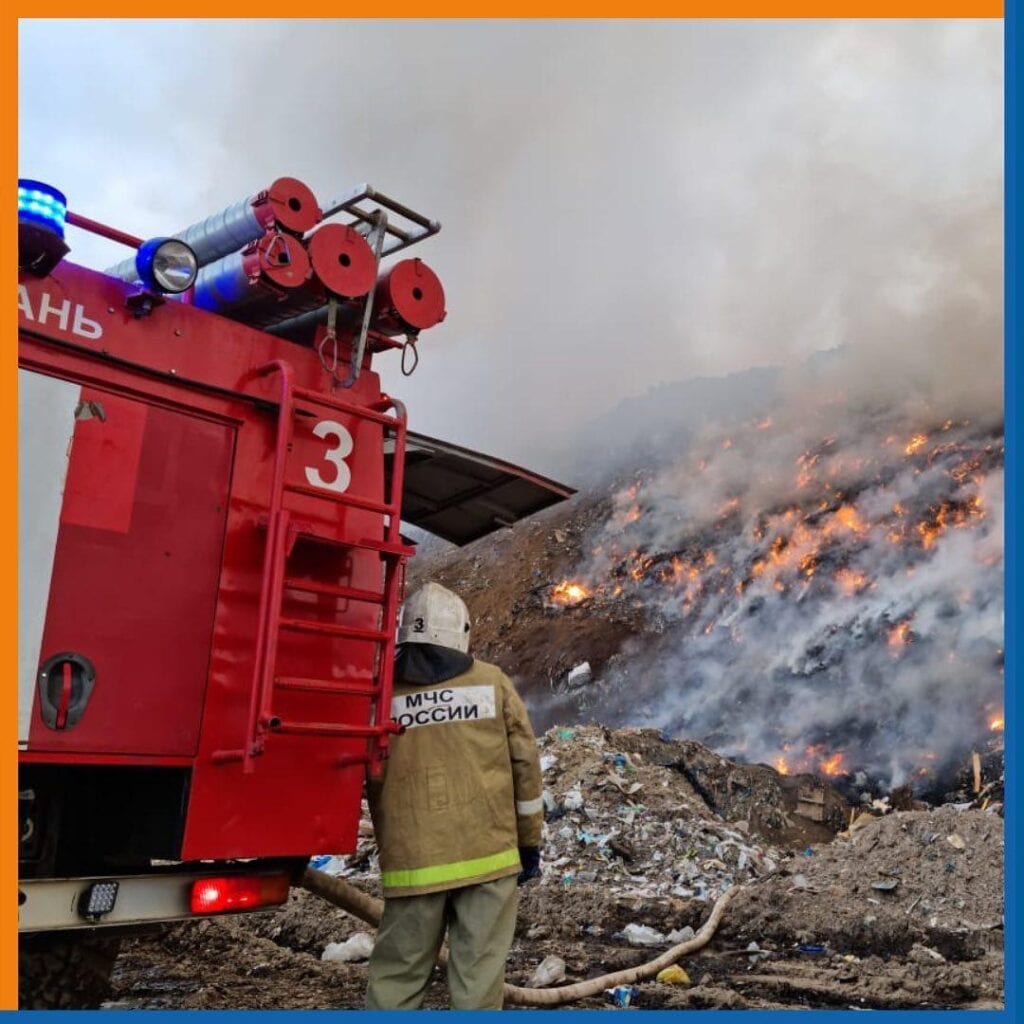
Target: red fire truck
x=212, y=487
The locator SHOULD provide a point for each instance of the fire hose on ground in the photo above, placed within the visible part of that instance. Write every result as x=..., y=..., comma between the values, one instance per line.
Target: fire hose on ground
x=369, y=909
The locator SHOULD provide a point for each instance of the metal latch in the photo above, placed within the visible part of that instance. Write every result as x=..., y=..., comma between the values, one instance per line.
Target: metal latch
x=66, y=681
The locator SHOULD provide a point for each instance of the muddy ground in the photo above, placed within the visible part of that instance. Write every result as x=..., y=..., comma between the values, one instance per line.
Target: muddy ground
x=229, y=965
x=905, y=910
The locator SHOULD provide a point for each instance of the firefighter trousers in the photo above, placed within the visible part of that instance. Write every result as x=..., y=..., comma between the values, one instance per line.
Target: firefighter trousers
x=480, y=920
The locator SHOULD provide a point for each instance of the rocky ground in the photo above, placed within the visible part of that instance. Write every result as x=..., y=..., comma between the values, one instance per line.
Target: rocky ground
x=869, y=907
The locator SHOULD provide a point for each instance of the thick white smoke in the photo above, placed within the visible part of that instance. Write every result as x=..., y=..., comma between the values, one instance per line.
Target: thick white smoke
x=626, y=204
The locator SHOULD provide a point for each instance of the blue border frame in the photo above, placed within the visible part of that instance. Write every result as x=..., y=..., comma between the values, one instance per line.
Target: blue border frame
x=1014, y=588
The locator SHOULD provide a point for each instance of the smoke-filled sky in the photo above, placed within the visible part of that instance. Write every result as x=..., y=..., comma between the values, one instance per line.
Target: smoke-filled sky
x=625, y=204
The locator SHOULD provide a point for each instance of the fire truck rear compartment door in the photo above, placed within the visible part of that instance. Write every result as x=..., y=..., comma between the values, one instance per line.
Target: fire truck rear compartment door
x=461, y=495
x=135, y=575
x=46, y=421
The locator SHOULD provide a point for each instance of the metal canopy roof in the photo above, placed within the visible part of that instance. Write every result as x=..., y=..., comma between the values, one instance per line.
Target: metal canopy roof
x=461, y=495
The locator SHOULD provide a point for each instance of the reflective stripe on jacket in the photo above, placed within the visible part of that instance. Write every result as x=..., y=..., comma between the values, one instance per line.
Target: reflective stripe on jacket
x=461, y=790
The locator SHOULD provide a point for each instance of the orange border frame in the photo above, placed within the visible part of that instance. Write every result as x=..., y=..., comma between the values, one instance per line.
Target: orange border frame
x=8, y=260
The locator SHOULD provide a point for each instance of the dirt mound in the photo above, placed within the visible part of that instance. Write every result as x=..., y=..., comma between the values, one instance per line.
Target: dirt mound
x=224, y=964
x=914, y=877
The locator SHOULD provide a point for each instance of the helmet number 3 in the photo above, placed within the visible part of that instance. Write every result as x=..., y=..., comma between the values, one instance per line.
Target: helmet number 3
x=342, y=475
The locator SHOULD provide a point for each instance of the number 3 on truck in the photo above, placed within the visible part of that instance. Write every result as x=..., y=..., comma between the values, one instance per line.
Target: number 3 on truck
x=336, y=456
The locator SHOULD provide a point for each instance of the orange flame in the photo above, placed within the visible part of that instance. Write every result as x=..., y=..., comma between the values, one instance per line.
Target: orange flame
x=899, y=635
x=831, y=765
x=731, y=505
x=929, y=533
x=850, y=581
x=917, y=442
x=997, y=724
x=847, y=516
x=569, y=592
x=640, y=565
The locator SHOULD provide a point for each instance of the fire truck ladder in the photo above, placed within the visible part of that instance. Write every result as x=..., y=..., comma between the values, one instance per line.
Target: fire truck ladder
x=282, y=532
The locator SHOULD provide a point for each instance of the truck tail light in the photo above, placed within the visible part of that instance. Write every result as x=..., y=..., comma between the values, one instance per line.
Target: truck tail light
x=237, y=892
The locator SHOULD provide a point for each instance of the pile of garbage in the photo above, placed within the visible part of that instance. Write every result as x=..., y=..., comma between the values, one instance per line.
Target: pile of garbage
x=627, y=822
x=638, y=828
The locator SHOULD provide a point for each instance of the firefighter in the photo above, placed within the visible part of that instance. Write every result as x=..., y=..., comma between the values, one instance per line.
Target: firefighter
x=457, y=814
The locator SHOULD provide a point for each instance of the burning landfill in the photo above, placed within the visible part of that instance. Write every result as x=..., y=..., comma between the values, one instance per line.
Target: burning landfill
x=829, y=603
x=792, y=639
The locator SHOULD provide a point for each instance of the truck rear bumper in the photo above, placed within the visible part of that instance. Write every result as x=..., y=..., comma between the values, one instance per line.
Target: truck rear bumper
x=60, y=904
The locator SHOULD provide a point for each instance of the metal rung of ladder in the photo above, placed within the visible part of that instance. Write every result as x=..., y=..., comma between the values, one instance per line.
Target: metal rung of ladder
x=330, y=590
x=386, y=548
x=377, y=636
x=337, y=686
x=280, y=534
x=343, y=499
x=362, y=411
x=335, y=729
x=382, y=547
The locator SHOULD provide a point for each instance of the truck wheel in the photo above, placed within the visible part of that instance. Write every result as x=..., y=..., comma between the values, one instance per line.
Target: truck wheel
x=65, y=972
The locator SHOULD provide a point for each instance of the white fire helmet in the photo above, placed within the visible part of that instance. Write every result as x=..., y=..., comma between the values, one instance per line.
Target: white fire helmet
x=434, y=615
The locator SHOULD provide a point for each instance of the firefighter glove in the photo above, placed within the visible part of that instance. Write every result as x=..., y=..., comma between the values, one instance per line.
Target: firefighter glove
x=529, y=856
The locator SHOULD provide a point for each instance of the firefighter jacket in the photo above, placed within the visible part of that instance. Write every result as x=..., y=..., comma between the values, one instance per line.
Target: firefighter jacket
x=461, y=789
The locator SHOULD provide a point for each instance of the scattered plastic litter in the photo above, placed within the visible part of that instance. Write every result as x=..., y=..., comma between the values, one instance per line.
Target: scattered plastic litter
x=578, y=676
x=642, y=935
x=550, y=971
x=673, y=975
x=608, y=812
x=356, y=947
x=622, y=995
x=573, y=800
x=331, y=864
x=757, y=954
